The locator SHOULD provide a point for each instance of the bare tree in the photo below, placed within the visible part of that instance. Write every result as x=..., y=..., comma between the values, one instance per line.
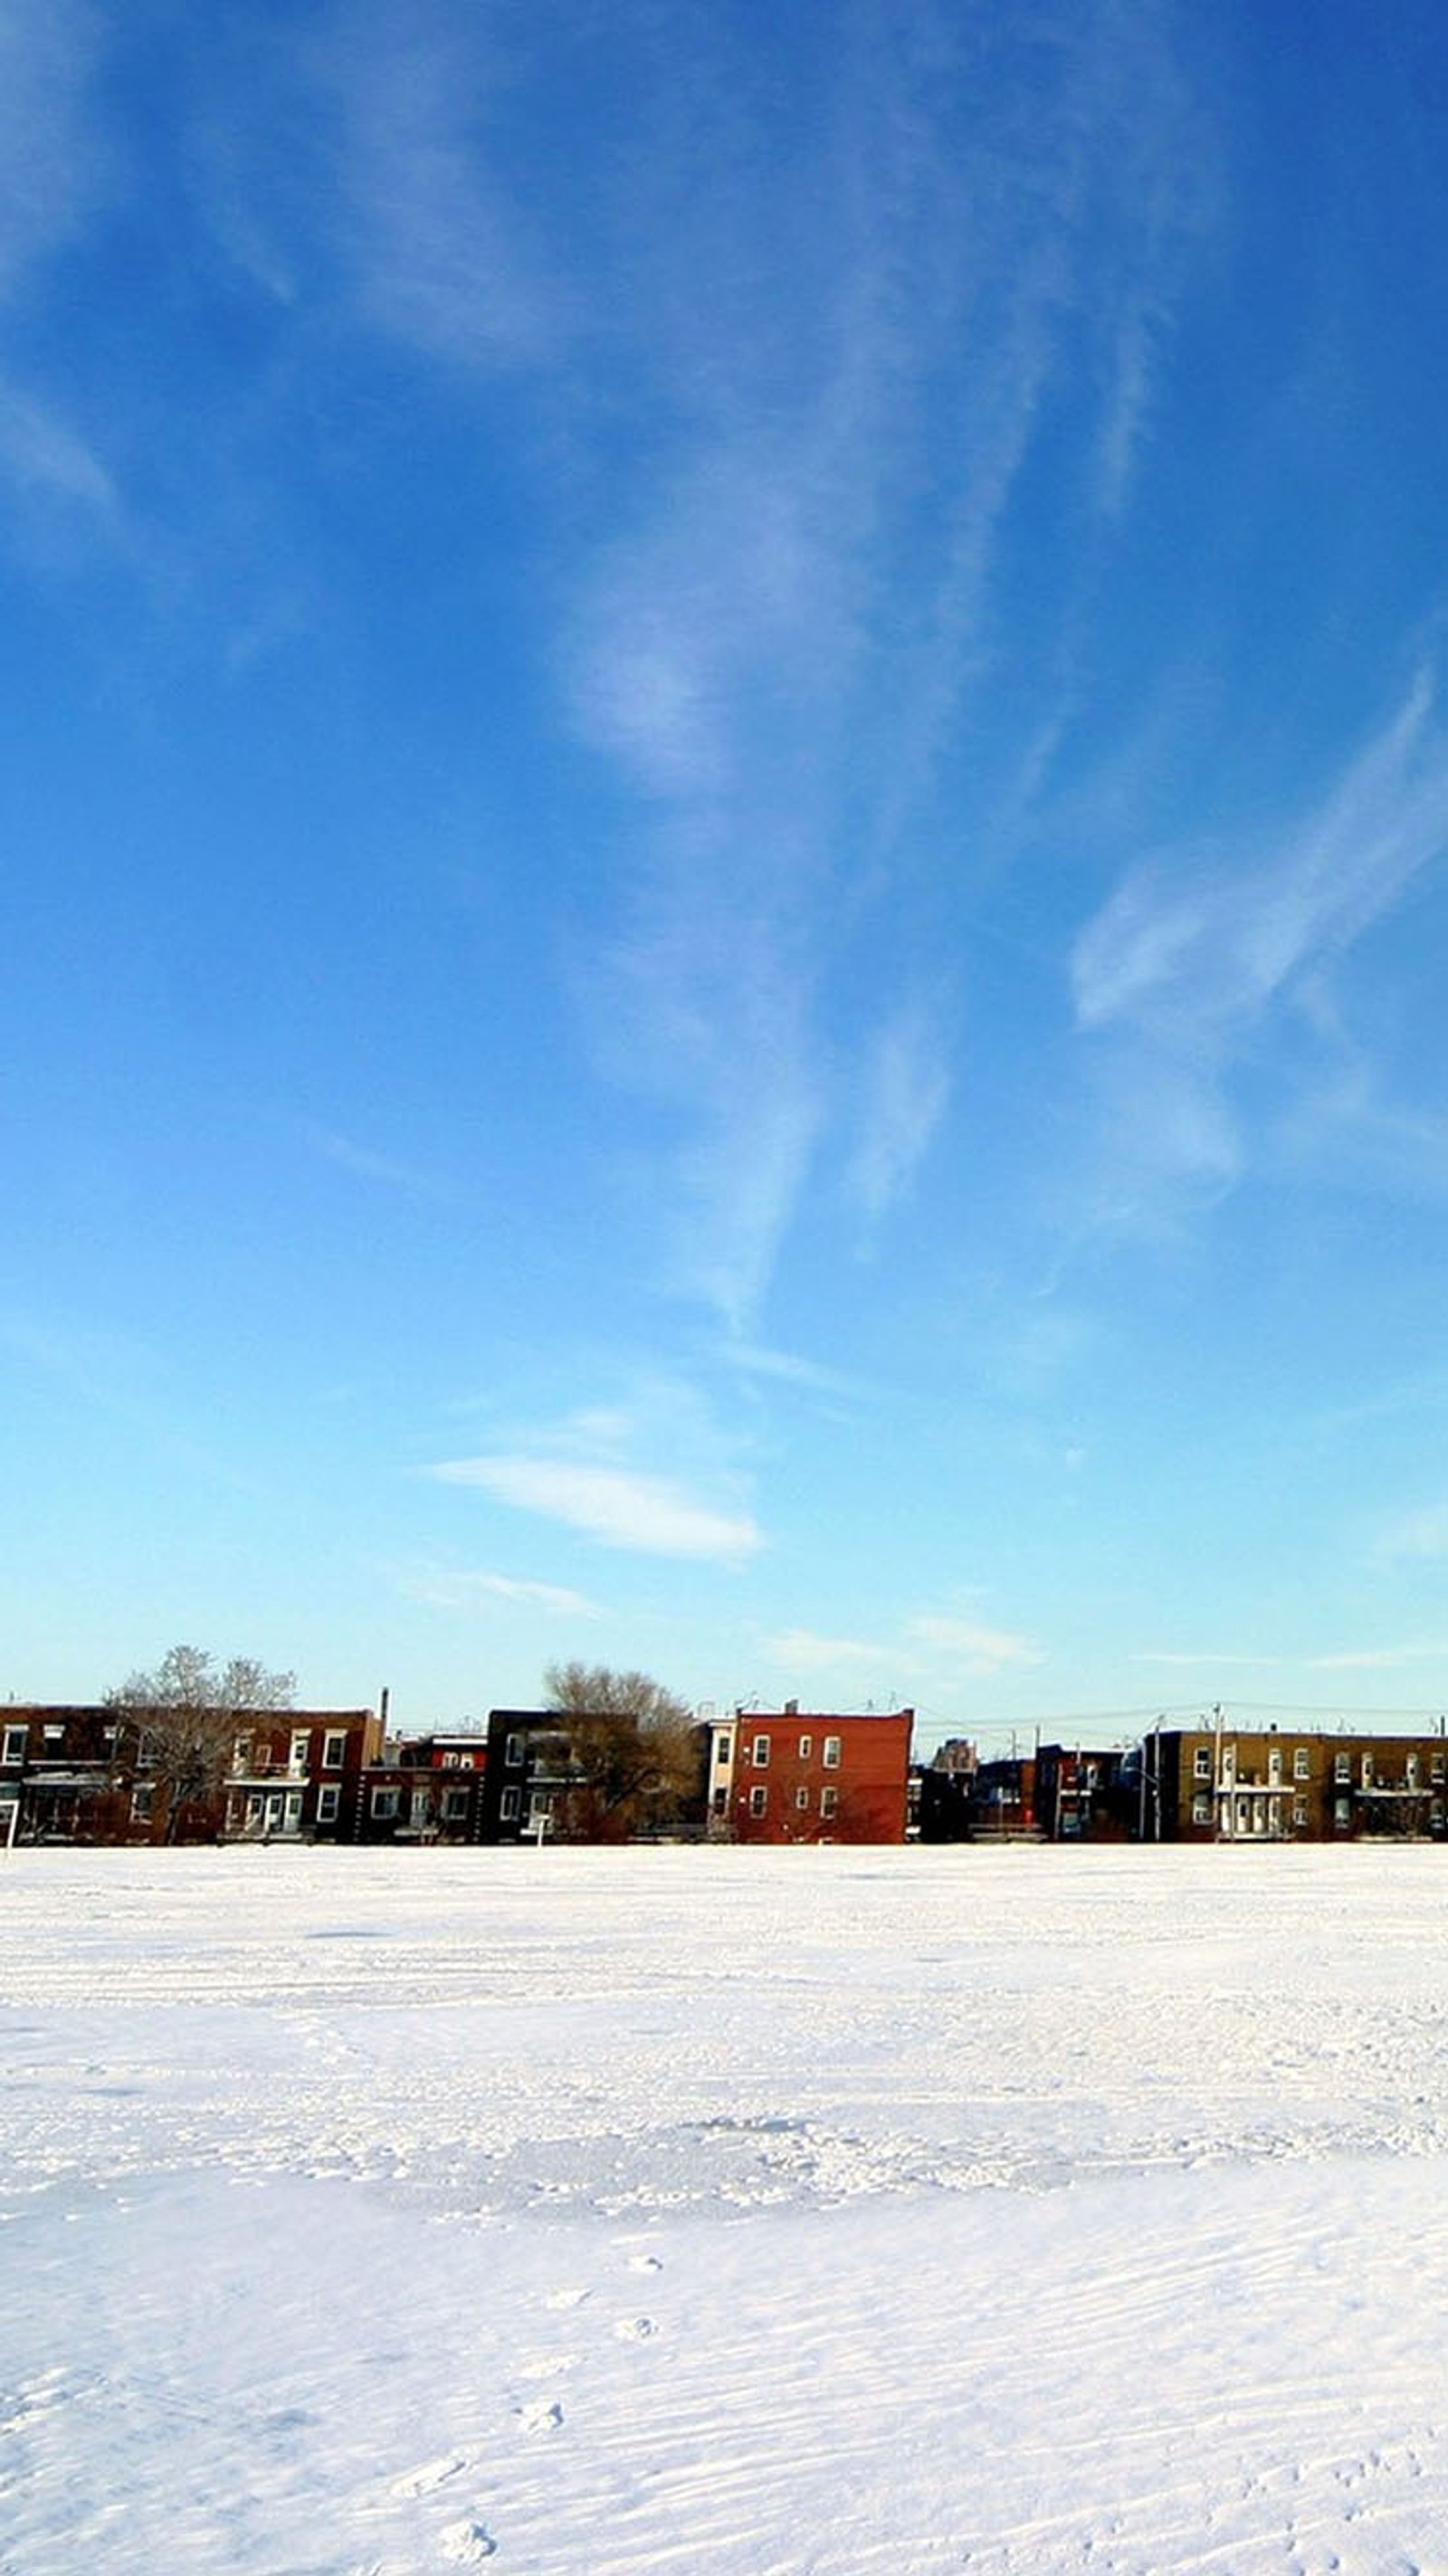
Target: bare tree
x=182, y=1721
x=634, y=1751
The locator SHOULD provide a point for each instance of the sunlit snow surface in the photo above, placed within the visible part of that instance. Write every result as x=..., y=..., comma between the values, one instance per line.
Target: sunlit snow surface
x=378, y=2213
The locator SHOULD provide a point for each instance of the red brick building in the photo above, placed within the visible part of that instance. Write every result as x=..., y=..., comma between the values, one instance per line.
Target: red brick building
x=296, y=1774
x=793, y=1776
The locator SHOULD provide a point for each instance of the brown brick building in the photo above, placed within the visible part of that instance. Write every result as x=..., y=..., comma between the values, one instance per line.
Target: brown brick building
x=1224, y=1783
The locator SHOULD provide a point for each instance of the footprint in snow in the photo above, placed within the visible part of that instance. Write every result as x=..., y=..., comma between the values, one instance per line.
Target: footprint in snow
x=466, y=2544
x=541, y=2415
x=635, y=2329
x=565, y=2298
x=644, y=2263
x=429, y=2476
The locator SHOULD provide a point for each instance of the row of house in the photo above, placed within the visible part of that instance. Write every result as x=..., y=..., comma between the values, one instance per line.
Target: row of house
x=92, y=1774
x=1209, y=1783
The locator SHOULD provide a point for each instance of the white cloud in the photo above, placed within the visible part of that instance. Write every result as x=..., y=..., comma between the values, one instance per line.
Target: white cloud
x=776, y=641
x=1417, y=1534
x=1176, y=975
x=40, y=452
x=471, y=1588
x=52, y=166
x=970, y=1646
x=935, y=1639
x=907, y=1083
x=371, y=1166
x=801, y=1650
x=443, y=256
x=611, y=1504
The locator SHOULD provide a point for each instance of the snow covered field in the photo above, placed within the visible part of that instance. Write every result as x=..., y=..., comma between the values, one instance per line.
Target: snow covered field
x=784, y=2211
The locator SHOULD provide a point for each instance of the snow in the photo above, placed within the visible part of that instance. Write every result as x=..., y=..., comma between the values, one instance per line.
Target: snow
x=373, y=2213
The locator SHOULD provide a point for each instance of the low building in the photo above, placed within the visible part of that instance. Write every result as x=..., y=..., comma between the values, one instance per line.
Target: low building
x=296, y=1774
x=794, y=1776
x=427, y=1788
x=1223, y=1783
x=1085, y=1794
x=68, y=1774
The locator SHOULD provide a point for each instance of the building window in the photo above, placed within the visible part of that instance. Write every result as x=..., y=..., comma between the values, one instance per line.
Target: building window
x=508, y=1806
x=513, y=1755
x=758, y=1801
x=1299, y=1812
x=1367, y=1770
x=722, y=1751
x=806, y=1747
x=385, y=1803
x=334, y=1749
x=801, y=1799
x=829, y=1802
x=833, y=1751
x=761, y=1753
x=1435, y=1771
x=1301, y=1763
x=16, y=1740
x=328, y=1801
x=301, y=1747
x=1202, y=1762
x=1342, y=1815
x=1201, y=1811
x=455, y=1806
x=241, y=1753
x=1342, y=1770
x=143, y=1798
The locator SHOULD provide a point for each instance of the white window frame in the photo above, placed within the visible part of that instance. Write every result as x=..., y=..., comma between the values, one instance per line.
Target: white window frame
x=299, y=1752
x=334, y=1748
x=829, y=1804
x=806, y=1747
x=759, y=1753
x=801, y=1798
x=834, y=1752
x=759, y=1802
x=1301, y=1762
x=17, y=1745
x=1342, y=1770
x=722, y=1751
x=385, y=1805
x=455, y=1806
x=329, y=1800
x=513, y=1753
x=1201, y=1811
x=510, y=1806
x=1202, y=1762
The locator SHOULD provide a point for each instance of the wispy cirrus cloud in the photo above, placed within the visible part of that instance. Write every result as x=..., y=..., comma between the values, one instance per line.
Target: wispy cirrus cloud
x=907, y=1087
x=1196, y=954
x=937, y=1643
x=441, y=253
x=474, y=1588
x=369, y=1165
x=777, y=644
x=54, y=165
x=617, y=1506
x=969, y=1645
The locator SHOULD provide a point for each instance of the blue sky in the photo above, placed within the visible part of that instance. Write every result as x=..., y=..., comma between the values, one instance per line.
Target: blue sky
x=725, y=794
